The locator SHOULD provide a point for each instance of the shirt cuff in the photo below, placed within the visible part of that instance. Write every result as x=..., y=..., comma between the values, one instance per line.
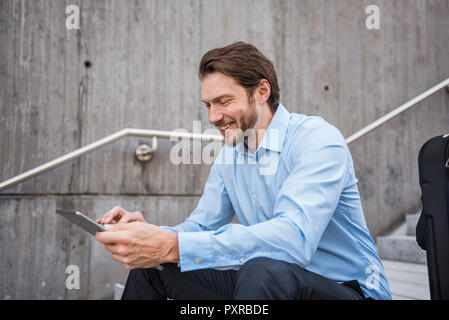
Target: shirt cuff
x=168, y=228
x=196, y=252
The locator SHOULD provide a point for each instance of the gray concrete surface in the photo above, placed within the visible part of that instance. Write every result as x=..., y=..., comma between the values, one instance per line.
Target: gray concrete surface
x=37, y=245
x=144, y=56
x=411, y=220
x=408, y=281
x=400, y=248
x=401, y=245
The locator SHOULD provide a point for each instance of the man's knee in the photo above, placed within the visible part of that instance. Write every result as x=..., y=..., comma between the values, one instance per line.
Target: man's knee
x=141, y=275
x=145, y=283
x=265, y=278
x=266, y=268
x=261, y=267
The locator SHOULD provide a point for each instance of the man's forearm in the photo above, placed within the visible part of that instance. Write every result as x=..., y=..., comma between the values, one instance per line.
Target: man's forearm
x=172, y=247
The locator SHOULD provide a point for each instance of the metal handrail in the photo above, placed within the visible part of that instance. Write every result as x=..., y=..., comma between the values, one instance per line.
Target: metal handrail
x=398, y=110
x=193, y=136
x=128, y=132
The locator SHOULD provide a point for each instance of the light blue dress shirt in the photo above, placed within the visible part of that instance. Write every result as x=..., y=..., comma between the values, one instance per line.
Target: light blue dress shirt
x=296, y=199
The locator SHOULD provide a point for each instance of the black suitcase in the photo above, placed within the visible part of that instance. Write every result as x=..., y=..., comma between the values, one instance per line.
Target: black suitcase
x=432, y=230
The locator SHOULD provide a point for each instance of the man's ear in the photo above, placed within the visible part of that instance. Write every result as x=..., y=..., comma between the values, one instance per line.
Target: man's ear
x=264, y=91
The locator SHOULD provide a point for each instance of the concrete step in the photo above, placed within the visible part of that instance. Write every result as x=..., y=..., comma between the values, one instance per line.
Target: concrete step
x=411, y=220
x=118, y=291
x=408, y=281
x=400, y=248
x=401, y=245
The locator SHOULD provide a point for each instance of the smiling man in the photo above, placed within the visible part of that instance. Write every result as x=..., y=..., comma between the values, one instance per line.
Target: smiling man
x=302, y=232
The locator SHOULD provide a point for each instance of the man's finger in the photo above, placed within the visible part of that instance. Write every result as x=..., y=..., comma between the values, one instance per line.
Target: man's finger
x=120, y=250
x=111, y=237
x=109, y=227
x=129, y=217
x=125, y=226
x=119, y=258
x=113, y=214
x=125, y=219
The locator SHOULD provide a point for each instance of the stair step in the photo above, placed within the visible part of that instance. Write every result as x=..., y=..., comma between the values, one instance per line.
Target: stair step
x=118, y=291
x=400, y=248
x=411, y=220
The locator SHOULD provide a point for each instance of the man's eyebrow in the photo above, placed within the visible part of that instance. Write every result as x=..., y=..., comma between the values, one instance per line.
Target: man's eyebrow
x=219, y=98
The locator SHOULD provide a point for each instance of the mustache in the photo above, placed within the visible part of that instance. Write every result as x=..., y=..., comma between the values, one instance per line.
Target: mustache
x=222, y=123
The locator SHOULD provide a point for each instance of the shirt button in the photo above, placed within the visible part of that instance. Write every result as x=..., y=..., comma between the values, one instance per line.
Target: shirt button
x=254, y=196
x=197, y=260
x=242, y=259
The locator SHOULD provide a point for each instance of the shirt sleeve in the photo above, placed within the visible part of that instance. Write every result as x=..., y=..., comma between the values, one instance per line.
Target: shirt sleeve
x=302, y=210
x=214, y=208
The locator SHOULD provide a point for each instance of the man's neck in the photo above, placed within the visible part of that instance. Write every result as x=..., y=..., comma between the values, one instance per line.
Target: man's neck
x=260, y=127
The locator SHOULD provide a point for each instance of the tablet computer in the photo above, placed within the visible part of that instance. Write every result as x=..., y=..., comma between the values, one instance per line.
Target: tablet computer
x=87, y=224
x=81, y=221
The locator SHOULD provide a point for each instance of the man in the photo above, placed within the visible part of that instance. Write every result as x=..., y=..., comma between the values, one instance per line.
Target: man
x=290, y=180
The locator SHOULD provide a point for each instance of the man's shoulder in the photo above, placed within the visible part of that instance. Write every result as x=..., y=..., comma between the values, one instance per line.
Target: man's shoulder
x=301, y=126
x=314, y=137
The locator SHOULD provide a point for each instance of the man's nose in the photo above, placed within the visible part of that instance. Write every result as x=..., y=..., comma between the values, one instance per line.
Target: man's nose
x=214, y=115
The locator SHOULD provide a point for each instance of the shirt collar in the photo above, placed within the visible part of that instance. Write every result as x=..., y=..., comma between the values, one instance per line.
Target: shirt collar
x=273, y=139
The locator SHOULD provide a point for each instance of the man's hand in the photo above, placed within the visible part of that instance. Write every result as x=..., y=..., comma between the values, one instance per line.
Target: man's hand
x=120, y=215
x=140, y=245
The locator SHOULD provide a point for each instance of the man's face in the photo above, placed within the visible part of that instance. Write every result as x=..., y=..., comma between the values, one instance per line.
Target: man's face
x=228, y=105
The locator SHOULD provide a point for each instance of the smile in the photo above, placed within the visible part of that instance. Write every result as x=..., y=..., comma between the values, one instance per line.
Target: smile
x=227, y=126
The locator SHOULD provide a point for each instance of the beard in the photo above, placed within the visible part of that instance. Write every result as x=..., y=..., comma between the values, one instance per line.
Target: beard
x=243, y=131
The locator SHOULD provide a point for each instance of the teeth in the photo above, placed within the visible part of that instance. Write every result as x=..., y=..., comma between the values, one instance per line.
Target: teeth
x=227, y=126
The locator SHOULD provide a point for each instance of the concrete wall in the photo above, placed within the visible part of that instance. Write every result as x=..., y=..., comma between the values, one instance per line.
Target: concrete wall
x=144, y=57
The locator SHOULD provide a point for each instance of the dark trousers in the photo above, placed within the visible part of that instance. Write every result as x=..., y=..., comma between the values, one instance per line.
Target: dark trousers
x=257, y=279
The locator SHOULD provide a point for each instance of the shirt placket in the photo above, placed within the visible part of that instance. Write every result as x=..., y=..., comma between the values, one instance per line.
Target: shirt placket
x=252, y=160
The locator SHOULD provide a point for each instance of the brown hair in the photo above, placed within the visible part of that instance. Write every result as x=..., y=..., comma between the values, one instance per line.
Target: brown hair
x=245, y=64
